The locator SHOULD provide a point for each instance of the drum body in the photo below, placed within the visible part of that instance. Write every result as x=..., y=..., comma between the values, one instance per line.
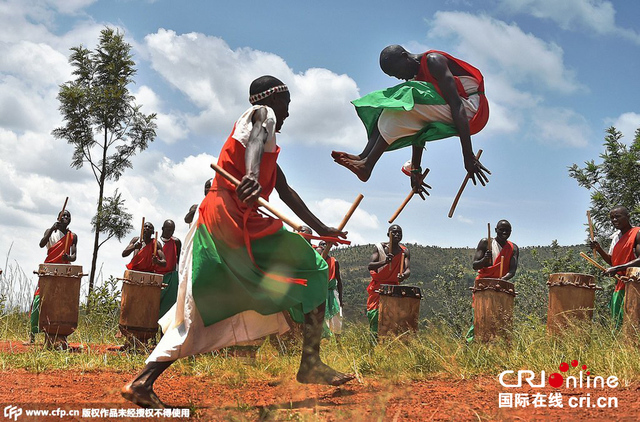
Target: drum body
x=140, y=304
x=59, y=298
x=571, y=300
x=631, y=318
x=398, y=310
x=493, y=308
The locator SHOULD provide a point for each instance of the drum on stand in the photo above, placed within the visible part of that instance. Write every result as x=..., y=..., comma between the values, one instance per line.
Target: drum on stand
x=140, y=305
x=631, y=317
x=571, y=300
x=493, y=300
x=59, y=301
x=398, y=310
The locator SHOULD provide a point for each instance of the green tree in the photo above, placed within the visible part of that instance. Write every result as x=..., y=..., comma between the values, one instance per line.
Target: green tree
x=105, y=126
x=613, y=182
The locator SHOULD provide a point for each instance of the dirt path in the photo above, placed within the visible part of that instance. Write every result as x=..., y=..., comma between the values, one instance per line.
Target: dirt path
x=436, y=399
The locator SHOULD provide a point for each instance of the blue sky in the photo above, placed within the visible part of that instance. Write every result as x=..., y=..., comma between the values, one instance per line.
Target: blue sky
x=557, y=74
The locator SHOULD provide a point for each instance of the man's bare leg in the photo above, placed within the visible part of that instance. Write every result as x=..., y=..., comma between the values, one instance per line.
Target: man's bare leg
x=363, y=167
x=140, y=389
x=312, y=369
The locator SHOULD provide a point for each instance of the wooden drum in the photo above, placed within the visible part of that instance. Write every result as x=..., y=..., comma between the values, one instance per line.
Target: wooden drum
x=140, y=304
x=59, y=299
x=571, y=300
x=631, y=317
x=398, y=310
x=493, y=308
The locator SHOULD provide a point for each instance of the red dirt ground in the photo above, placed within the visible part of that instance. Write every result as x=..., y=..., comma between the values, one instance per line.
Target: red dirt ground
x=369, y=400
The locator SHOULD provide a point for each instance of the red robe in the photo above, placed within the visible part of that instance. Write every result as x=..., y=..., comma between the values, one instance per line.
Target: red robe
x=170, y=251
x=623, y=252
x=387, y=274
x=62, y=246
x=494, y=270
x=331, y=261
x=143, y=260
x=480, y=119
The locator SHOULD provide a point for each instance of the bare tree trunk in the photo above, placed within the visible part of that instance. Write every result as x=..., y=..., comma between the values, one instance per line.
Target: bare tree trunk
x=96, y=239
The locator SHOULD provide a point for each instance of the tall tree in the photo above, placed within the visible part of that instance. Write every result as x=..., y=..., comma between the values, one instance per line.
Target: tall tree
x=105, y=126
x=613, y=182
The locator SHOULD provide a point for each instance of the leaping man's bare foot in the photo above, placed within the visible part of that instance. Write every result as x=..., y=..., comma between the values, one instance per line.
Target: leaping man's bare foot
x=339, y=154
x=142, y=396
x=322, y=374
x=357, y=167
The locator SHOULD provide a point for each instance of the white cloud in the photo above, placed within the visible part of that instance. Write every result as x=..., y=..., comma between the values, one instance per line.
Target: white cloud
x=172, y=126
x=216, y=80
x=591, y=15
x=627, y=123
x=561, y=126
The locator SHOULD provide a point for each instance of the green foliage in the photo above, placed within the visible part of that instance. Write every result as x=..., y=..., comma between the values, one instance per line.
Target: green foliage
x=104, y=303
x=104, y=125
x=613, y=182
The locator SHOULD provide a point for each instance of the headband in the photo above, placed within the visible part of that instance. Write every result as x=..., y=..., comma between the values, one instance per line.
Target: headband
x=264, y=94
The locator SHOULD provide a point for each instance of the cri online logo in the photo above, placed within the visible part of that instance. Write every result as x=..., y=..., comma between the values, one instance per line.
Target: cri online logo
x=557, y=380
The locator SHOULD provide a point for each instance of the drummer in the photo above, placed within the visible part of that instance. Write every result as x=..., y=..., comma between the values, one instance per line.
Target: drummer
x=500, y=261
x=171, y=250
x=61, y=249
x=624, y=252
x=144, y=259
x=333, y=305
x=192, y=211
x=385, y=269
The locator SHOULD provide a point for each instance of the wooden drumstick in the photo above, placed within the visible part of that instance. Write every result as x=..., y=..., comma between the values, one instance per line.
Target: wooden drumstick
x=591, y=232
x=464, y=184
x=501, y=265
x=155, y=245
x=489, y=243
x=260, y=201
x=343, y=223
x=595, y=264
x=142, y=231
x=401, y=261
x=64, y=207
x=407, y=199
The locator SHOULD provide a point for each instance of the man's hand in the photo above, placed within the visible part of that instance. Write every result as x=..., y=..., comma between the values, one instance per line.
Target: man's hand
x=613, y=270
x=332, y=232
x=389, y=258
x=249, y=189
x=475, y=169
x=487, y=259
x=593, y=244
x=418, y=185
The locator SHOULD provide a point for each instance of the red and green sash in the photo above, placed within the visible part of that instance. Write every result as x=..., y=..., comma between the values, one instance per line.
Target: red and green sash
x=143, y=260
x=623, y=252
x=62, y=246
x=387, y=274
x=494, y=270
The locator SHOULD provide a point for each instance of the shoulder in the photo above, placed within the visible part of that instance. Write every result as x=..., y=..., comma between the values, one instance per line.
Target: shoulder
x=483, y=243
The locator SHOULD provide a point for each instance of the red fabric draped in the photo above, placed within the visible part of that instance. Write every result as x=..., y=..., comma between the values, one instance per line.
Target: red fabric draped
x=623, y=252
x=62, y=246
x=331, y=261
x=143, y=260
x=481, y=118
x=387, y=274
x=494, y=270
x=170, y=251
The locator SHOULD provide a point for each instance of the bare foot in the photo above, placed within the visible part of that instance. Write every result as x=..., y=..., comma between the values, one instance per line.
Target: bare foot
x=143, y=397
x=321, y=374
x=357, y=167
x=339, y=154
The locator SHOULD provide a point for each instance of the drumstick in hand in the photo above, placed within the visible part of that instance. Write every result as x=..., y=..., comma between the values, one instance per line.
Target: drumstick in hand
x=344, y=222
x=595, y=264
x=142, y=231
x=464, y=184
x=408, y=198
x=591, y=231
x=260, y=201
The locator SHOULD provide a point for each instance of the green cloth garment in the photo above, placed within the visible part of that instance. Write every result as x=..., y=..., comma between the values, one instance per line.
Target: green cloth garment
x=35, y=315
x=225, y=281
x=372, y=316
x=170, y=293
x=404, y=96
x=617, y=307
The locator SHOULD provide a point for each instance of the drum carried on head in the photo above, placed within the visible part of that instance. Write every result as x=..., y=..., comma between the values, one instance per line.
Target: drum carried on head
x=140, y=305
x=59, y=301
x=571, y=300
x=399, y=309
x=631, y=317
x=493, y=308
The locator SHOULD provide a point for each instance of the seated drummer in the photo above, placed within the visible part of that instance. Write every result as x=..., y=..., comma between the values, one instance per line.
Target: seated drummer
x=501, y=261
x=624, y=252
x=385, y=269
x=61, y=249
x=144, y=259
x=487, y=262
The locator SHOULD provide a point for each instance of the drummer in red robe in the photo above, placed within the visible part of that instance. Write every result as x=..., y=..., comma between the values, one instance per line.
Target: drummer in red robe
x=498, y=260
x=61, y=249
x=144, y=259
x=385, y=269
x=171, y=250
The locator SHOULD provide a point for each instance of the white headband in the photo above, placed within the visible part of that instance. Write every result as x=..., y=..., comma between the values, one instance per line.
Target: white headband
x=264, y=94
